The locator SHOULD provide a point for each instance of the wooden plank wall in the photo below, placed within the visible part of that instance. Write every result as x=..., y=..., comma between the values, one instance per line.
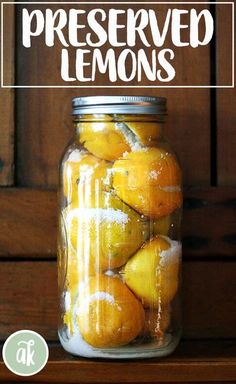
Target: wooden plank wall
x=7, y=102
x=226, y=116
x=28, y=297
x=32, y=302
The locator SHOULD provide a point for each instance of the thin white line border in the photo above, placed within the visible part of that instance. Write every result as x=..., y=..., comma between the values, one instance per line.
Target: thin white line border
x=117, y=3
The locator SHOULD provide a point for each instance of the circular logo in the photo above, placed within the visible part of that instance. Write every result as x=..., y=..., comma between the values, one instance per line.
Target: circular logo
x=25, y=353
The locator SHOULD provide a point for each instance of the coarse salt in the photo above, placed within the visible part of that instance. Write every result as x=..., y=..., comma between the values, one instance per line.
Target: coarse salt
x=67, y=301
x=154, y=174
x=76, y=155
x=78, y=346
x=109, y=215
x=172, y=254
x=101, y=295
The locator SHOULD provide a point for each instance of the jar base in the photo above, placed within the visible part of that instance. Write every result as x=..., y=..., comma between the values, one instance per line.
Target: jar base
x=78, y=347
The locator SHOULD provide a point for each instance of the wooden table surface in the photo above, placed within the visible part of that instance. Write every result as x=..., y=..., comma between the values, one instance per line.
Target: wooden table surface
x=193, y=362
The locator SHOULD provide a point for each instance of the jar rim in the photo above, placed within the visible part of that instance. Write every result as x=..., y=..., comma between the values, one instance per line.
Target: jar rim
x=139, y=105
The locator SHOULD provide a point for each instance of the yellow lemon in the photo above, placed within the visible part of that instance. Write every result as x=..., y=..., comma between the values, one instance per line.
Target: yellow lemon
x=103, y=139
x=149, y=180
x=107, y=313
x=152, y=273
x=105, y=236
x=109, y=140
x=146, y=133
x=84, y=176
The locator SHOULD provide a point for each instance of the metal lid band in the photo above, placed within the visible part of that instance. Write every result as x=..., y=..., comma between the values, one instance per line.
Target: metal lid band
x=119, y=105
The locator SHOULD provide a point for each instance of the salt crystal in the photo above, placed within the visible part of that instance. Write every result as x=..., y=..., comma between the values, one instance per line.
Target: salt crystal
x=78, y=346
x=67, y=301
x=100, y=295
x=172, y=254
x=154, y=174
x=109, y=215
x=76, y=155
x=97, y=296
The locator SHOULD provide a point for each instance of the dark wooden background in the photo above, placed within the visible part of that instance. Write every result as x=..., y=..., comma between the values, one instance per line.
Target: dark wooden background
x=35, y=127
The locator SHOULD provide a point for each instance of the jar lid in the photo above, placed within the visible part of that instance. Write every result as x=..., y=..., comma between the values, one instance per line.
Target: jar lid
x=119, y=104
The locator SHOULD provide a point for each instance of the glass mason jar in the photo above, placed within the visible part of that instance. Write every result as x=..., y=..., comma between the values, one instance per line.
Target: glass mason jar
x=119, y=248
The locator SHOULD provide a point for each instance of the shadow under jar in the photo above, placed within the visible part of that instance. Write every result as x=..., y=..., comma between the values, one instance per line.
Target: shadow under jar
x=119, y=248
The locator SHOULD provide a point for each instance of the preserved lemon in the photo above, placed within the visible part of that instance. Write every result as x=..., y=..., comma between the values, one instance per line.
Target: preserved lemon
x=107, y=313
x=149, y=180
x=84, y=175
x=146, y=133
x=109, y=140
x=152, y=273
x=103, y=139
x=106, y=235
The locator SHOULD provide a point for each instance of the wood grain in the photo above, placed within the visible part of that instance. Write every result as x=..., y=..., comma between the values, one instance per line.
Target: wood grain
x=44, y=121
x=193, y=361
x=209, y=222
x=53, y=380
x=226, y=99
x=28, y=298
x=7, y=99
x=28, y=223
